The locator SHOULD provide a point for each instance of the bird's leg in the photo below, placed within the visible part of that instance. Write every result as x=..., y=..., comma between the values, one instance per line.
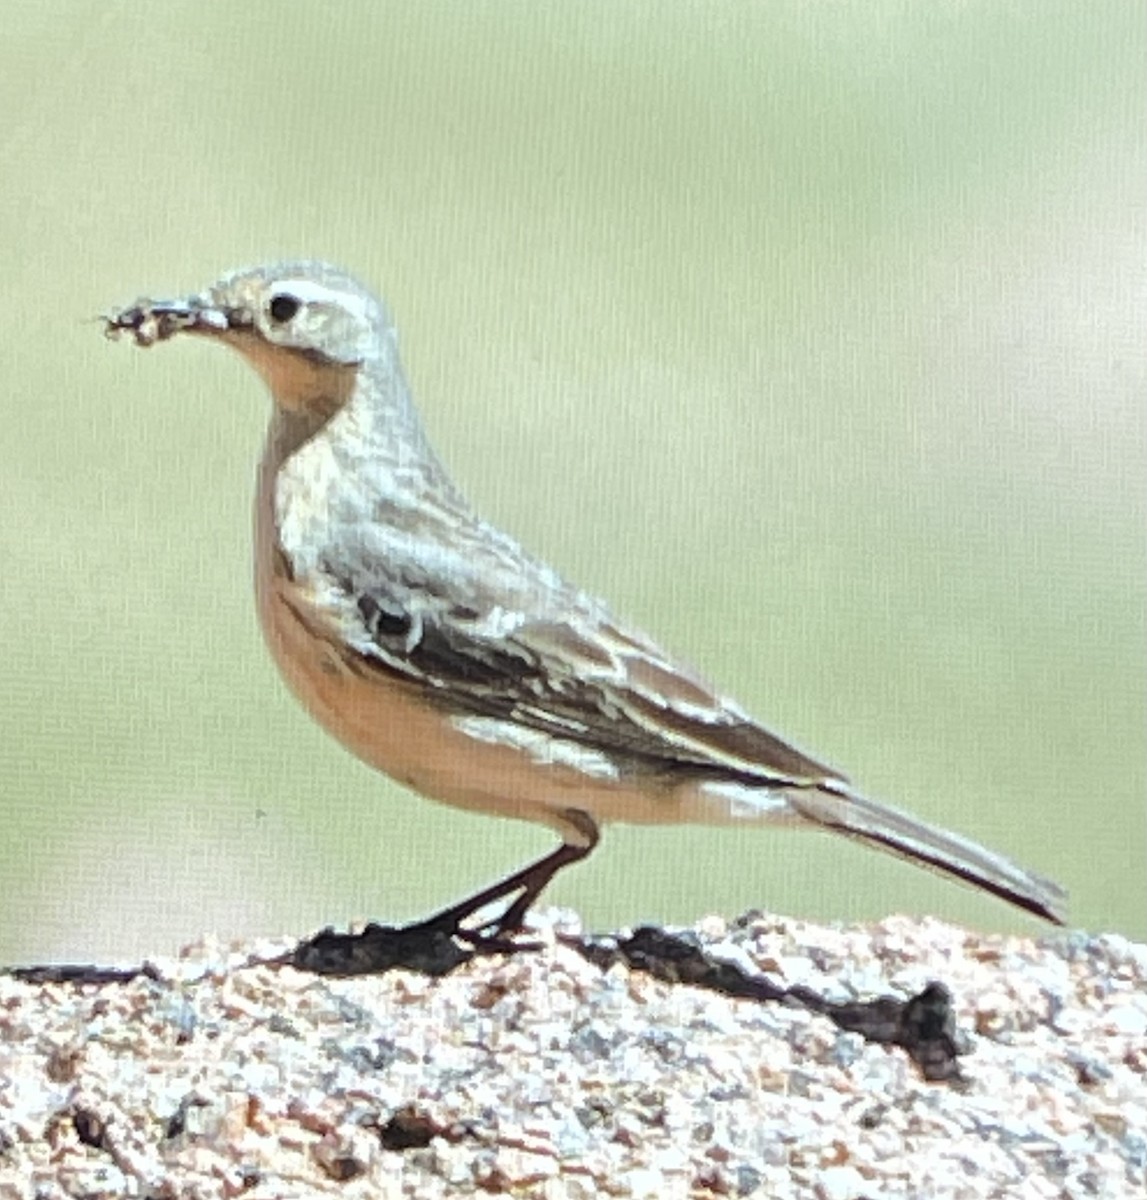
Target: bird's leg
x=529, y=882
x=440, y=943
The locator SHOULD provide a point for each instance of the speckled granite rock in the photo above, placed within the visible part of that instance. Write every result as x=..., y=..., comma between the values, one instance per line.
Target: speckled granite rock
x=544, y=1074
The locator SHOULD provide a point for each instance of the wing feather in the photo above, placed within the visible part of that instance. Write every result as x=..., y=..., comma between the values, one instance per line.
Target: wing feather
x=573, y=672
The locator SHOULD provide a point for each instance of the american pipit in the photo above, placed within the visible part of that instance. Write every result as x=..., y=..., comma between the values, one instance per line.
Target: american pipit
x=439, y=651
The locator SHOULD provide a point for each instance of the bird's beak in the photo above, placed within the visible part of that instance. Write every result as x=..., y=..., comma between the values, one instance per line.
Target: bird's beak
x=150, y=321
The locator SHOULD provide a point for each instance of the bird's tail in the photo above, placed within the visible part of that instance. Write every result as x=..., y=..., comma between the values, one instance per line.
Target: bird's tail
x=834, y=804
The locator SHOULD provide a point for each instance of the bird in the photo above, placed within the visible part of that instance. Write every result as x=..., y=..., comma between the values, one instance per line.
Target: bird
x=438, y=650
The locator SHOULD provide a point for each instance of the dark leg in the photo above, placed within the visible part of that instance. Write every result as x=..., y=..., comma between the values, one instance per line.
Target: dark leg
x=529, y=882
x=440, y=943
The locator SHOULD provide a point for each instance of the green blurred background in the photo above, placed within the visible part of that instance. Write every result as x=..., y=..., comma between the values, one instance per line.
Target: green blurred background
x=810, y=335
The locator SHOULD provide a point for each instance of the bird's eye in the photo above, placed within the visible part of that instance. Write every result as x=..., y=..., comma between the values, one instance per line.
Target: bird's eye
x=282, y=308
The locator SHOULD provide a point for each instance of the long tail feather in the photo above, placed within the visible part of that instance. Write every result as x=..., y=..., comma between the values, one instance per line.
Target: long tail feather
x=836, y=805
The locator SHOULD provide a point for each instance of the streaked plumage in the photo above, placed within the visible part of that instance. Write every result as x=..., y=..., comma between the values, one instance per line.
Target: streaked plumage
x=438, y=650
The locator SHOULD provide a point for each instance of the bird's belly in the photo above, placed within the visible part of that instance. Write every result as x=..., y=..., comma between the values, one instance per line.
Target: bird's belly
x=389, y=724
x=469, y=762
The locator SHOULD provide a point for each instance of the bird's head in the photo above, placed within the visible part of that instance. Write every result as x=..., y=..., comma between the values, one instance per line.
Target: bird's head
x=306, y=327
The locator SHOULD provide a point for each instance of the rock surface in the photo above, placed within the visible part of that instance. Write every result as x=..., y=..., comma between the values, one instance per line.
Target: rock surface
x=579, y=1070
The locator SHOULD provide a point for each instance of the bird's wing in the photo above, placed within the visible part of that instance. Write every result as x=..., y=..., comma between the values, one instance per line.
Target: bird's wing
x=536, y=652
